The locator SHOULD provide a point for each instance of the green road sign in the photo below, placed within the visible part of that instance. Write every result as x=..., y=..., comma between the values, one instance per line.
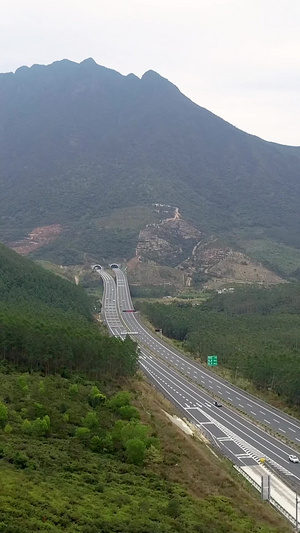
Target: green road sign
x=212, y=360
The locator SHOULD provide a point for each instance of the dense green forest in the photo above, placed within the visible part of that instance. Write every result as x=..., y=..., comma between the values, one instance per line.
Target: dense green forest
x=75, y=457
x=46, y=324
x=22, y=282
x=254, y=331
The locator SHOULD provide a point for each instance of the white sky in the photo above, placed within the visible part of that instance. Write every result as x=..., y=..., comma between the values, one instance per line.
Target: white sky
x=238, y=58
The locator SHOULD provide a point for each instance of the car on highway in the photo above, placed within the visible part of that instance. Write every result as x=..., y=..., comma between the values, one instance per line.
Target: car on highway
x=293, y=459
x=218, y=404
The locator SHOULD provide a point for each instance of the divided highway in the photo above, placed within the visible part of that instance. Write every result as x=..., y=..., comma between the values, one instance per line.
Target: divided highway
x=256, y=409
x=238, y=437
x=109, y=306
x=178, y=379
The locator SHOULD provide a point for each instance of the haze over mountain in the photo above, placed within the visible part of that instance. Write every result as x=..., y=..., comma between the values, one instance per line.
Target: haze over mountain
x=78, y=141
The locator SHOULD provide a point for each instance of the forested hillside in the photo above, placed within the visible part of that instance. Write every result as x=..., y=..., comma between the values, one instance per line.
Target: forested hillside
x=23, y=283
x=255, y=332
x=75, y=455
x=78, y=141
x=46, y=325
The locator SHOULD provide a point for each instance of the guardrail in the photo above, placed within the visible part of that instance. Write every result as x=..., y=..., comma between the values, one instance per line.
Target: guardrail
x=273, y=502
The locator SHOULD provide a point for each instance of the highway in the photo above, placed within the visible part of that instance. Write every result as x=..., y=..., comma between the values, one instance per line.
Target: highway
x=239, y=437
x=236, y=436
x=109, y=306
x=245, y=441
x=256, y=409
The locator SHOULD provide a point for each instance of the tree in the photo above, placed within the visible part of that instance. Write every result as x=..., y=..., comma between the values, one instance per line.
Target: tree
x=119, y=400
x=128, y=412
x=8, y=429
x=26, y=426
x=96, y=444
x=135, y=451
x=96, y=398
x=41, y=426
x=91, y=420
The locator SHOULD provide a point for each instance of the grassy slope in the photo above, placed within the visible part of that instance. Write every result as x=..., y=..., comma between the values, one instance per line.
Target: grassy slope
x=67, y=487
x=281, y=258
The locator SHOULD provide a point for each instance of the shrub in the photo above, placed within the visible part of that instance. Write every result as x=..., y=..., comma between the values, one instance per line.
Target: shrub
x=173, y=508
x=26, y=426
x=39, y=409
x=135, y=451
x=22, y=382
x=83, y=434
x=8, y=429
x=153, y=455
x=3, y=414
x=41, y=426
x=73, y=389
x=96, y=397
x=108, y=443
x=96, y=444
x=20, y=460
x=134, y=430
x=91, y=420
x=119, y=400
x=128, y=412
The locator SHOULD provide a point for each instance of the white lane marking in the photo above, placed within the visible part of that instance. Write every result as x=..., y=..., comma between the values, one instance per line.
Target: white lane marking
x=254, y=431
x=253, y=413
x=241, y=405
x=262, y=412
x=268, y=421
x=167, y=349
x=277, y=421
x=281, y=430
x=292, y=430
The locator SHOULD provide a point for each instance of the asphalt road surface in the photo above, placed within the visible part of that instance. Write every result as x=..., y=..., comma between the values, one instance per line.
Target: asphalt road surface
x=237, y=437
x=256, y=409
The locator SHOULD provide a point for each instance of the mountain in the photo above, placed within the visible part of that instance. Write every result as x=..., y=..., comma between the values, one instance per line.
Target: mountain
x=24, y=284
x=80, y=142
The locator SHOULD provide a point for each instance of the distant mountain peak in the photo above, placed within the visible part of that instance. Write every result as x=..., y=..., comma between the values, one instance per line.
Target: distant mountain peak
x=89, y=61
x=153, y=79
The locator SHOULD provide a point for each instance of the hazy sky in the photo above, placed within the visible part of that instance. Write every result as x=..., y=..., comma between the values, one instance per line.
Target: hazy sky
x=238, y=58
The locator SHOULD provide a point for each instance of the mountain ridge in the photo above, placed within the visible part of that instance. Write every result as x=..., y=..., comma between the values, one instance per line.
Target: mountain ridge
x=80, y=140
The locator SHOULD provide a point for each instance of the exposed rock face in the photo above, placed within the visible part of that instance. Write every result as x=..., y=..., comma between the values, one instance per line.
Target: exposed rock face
x=38, y=237
x=202, y=259
x=167, y=243
x=216, y=264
